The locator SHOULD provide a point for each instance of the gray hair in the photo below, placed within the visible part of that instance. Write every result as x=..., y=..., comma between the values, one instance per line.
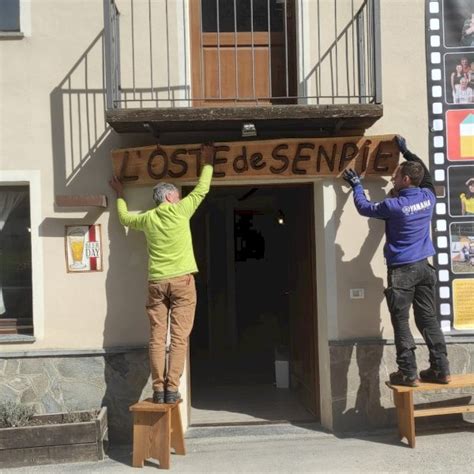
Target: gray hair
x=161, y=190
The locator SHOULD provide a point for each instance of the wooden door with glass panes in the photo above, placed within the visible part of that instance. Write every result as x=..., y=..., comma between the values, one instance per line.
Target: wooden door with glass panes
x=243, y=51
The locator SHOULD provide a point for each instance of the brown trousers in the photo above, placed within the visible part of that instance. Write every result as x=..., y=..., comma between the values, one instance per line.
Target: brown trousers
x=175, y=297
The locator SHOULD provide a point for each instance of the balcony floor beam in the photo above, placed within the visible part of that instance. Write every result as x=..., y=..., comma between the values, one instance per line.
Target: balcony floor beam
x=270, y=121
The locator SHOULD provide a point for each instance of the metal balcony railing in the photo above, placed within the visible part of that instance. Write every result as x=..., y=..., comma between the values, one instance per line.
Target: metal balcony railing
x=186, y=53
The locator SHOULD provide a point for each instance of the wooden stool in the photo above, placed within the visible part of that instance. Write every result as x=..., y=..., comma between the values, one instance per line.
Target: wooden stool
x=407, y=412
x=156, y=429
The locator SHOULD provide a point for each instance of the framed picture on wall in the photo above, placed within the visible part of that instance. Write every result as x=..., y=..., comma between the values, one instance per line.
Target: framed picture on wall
x=459, y=78
x=461, y=191
x=83, y=244
x=461, y=236
x=462, y=300
x=460, y=134
x=458, y=23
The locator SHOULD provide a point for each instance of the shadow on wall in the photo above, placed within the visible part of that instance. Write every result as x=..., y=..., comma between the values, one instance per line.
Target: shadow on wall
x=340, y=61
x=126, y=373
x=81, y=143
x=356, y=387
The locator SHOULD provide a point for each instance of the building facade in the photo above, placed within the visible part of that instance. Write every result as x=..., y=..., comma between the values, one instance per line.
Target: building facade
x=107, y=85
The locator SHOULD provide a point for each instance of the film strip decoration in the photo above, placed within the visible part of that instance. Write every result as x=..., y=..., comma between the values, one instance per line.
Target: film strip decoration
x=450, y=75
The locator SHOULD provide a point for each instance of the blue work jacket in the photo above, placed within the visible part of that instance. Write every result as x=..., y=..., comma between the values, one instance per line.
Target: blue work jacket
x=407, y=219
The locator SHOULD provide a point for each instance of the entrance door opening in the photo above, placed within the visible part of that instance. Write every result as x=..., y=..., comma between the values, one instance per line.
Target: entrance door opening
x=253, y=349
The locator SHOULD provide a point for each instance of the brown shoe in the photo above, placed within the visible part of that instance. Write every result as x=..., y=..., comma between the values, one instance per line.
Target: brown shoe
x=399, y=378
x=434, y=376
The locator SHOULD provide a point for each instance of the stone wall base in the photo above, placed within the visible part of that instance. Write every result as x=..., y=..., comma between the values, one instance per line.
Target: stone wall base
x=80, y=382
x=361, y=400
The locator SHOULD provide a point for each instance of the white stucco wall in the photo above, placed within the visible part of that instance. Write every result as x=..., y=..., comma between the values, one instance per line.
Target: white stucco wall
x=52, y=122
x=52, y=125
x=356, y=259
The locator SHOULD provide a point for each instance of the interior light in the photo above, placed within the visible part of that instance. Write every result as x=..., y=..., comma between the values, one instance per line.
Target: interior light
x=280, y=217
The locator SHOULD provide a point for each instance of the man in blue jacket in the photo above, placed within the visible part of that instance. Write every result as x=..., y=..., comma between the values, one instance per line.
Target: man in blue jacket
x=411, y=278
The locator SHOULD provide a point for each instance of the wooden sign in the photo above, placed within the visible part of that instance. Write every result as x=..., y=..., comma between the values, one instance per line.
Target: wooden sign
x=89, y=200
x=296, y=158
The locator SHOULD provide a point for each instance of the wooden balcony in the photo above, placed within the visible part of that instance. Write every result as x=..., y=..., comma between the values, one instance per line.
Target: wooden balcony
x=241, y=69
x=191, y=125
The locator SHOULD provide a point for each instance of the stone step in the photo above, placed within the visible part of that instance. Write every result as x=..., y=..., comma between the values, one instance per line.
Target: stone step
x=268, y=431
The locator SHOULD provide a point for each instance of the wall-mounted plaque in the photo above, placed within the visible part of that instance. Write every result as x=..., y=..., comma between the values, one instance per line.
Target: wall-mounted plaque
x=83, y=248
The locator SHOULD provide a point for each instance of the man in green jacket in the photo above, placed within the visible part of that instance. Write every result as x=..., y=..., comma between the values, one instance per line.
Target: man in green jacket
x=171, y=264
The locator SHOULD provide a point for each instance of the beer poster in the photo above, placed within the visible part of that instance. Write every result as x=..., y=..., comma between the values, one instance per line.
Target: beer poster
x=83, y=248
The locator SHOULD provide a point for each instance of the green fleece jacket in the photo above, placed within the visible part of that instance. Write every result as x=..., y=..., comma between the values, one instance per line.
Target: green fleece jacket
x=168, y=232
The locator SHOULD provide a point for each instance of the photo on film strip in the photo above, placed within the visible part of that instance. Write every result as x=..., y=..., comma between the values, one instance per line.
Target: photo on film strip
x=461, y=236
x=460, y=135
x=459, y=78
x=461, y=191
x=458, y=20
x=463, y=290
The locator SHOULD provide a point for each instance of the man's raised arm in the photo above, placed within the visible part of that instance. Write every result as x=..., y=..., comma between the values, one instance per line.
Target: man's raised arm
x=427, y=181
x=190, y=203
x=134, y=221
x=379, y=210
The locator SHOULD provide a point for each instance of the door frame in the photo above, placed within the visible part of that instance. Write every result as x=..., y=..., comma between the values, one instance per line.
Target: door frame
x=315, y=369
x=313, y=301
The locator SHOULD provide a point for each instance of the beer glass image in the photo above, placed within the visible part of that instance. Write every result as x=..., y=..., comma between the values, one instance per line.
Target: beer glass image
x=76, y=237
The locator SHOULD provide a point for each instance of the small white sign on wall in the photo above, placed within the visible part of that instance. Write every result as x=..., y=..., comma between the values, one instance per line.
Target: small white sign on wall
x=83, y=248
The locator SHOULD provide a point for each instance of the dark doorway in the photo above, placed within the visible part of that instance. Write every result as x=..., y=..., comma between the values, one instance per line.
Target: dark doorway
x=254, y=343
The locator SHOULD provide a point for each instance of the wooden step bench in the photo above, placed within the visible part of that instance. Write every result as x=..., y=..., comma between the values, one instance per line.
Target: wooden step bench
x=157, y=428
x=407, y=412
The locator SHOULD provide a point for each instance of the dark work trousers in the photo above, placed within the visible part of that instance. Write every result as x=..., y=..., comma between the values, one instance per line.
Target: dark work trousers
x=414, y=283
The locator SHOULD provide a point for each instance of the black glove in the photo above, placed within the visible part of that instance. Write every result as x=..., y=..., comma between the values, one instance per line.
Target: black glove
x=351, y=177
x=402, y=144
